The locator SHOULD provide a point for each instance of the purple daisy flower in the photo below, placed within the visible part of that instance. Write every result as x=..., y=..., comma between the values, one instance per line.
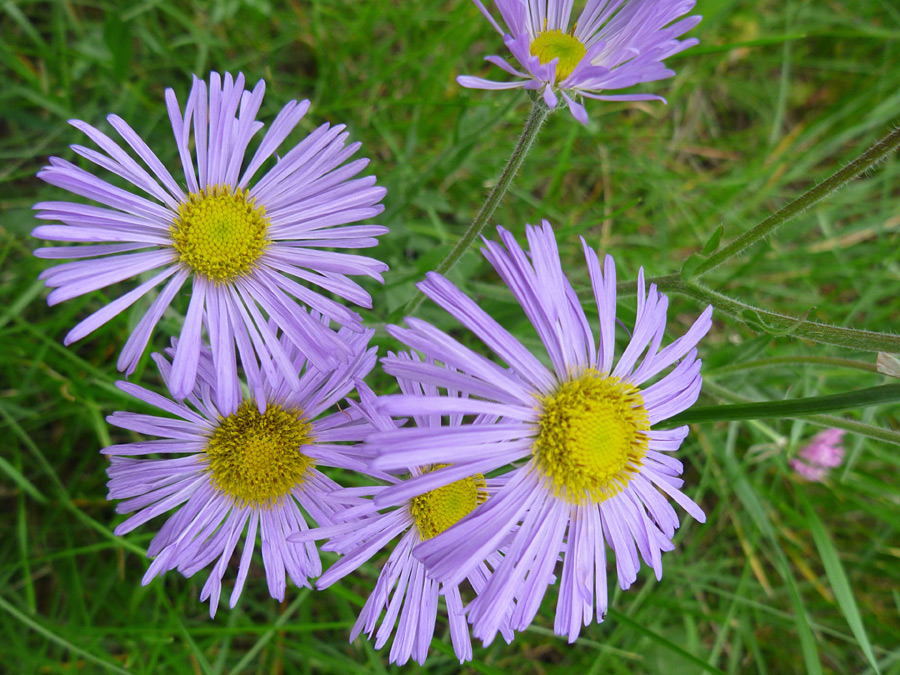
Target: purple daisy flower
x=249, y=470
x=593, y=472
x=408, y=598
x=254, y=252
x=614, y=44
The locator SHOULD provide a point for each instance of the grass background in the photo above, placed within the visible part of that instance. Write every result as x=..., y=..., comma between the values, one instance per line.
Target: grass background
x=784, y=577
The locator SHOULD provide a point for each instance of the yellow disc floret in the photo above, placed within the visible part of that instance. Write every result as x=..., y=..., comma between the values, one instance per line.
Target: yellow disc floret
x=437, y=510
x=592, y=437
x=552, y=44
x=255, y=458
x=220, y=233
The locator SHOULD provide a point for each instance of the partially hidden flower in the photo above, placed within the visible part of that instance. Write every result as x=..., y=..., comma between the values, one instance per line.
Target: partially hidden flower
x=253, y=235
x=612, y=45
x=243, y=472
x=404, y=599
x=823, y=453
x=589, y=468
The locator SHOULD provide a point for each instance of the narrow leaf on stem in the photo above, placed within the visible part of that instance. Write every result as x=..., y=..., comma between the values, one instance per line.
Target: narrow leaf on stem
x=798, y=407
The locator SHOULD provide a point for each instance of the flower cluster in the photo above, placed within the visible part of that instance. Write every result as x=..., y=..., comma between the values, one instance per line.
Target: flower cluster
x=817, y=458
x=485, y=472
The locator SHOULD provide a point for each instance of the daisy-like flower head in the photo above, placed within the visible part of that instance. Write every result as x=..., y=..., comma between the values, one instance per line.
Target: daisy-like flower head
x=590, y=468
x=613, y=44
x=254, y=246
x=241, y=471
x=408, y=598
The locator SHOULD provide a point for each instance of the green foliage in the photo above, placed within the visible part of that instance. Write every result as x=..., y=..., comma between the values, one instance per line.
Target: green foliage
x=784, y=576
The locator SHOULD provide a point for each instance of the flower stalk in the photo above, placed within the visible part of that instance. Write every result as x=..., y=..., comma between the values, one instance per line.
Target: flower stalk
x=533, y=124
x=778, y=325
x=870, y=158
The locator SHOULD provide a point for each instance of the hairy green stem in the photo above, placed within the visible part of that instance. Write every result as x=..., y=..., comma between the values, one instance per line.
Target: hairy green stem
x=533, y=125
x=864, y=162
x=775, y=324
x=782, y=324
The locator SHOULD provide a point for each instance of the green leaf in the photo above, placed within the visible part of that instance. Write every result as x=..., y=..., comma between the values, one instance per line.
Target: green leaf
x=580, y=227
x=20, y=480
x=838, y=580
x=40, y=629
x=751, y=502
x=713, y=243
x=757, y=321
x=827, y=421
x=798, y=407
x=475, y=664
x=732, y=46
x=691, y=264
x=264, y=639
x=735, y=356
x=621, y=618
x=117, y=38
x=727, y=360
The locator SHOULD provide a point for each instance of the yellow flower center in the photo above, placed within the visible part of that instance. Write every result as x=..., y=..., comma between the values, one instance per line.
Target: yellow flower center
x=255, y=458
x=220, y=233
x=551, y=44
x=437, y=510
x=592, y=437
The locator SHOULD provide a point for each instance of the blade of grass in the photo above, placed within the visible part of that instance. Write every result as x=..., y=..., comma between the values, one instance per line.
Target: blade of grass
x=61, y=641
x=474, y=664
x=748, y=497
x=793, y=360
x=866, y=161
x=15, y=308
x=198, y=654
x=618, y=616
x=266, y=637
x=840, y=585
x=23, y=536
x=121, y=542
x=26, y=485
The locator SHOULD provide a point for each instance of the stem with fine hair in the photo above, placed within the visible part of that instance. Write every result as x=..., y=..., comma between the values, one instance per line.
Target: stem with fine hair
x=864, y=162
x=533, y=124
x=780, y=325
